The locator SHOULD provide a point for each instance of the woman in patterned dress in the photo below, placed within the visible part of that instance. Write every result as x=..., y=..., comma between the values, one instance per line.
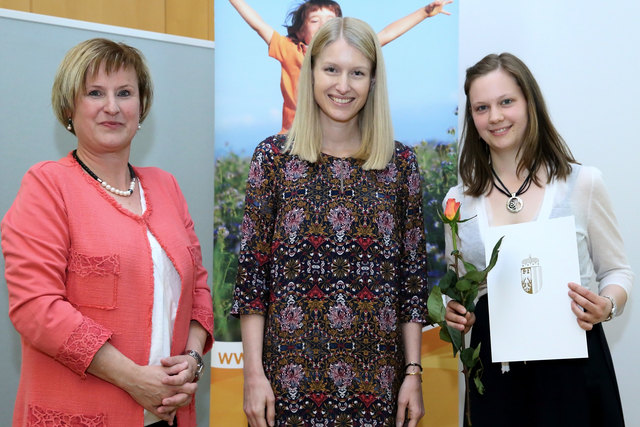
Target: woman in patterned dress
x=331, y=287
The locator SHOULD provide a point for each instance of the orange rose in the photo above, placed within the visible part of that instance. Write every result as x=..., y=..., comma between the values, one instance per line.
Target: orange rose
x=451, y=209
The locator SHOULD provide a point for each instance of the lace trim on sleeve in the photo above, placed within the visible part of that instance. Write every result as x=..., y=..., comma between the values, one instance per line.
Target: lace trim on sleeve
x=83, y=343
x=204, y=316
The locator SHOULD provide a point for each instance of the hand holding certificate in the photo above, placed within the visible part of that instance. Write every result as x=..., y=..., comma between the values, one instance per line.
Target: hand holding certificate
x=529, y=308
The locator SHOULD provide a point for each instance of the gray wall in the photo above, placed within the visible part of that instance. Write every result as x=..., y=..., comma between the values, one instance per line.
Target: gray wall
x=586, y=60
x=177, y=136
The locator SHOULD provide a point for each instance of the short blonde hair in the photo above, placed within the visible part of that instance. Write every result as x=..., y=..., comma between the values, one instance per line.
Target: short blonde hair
x=305, y=135
x=86, y=59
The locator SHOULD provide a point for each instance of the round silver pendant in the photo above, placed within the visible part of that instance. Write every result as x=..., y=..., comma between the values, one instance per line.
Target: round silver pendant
x=514, y=204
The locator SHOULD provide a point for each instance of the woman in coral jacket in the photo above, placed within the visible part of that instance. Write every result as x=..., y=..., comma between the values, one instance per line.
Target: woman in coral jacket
x=104, y=269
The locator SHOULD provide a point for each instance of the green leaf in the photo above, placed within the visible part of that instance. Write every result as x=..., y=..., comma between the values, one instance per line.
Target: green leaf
x=456, y=339
x=476, y=351
x=494, y=255
x=463, y=285
x=471, y=305
x=460, y=221
x=444, y=334
x=466, y=356
x=479, y=385
x=454, y=294
x=469, y=302
x=468, y=266
x=435, y=305
x=448, y=280
x=476, y=276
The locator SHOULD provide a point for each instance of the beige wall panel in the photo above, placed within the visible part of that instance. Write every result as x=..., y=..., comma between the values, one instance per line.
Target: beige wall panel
x=212, y=32
x=143, y=15
x=189, y=18
x=22, y=5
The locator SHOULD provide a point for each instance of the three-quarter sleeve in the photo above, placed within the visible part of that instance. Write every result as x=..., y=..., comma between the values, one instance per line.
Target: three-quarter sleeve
x=36, y=246
x=413, y=280
x=251, y=295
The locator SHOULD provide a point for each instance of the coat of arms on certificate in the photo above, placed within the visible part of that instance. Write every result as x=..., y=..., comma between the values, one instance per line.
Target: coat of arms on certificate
x=529, y=306
x=531, y=275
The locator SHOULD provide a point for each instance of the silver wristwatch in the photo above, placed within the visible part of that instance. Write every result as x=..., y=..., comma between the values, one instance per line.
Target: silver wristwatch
x=200, y=363
x=614, y=308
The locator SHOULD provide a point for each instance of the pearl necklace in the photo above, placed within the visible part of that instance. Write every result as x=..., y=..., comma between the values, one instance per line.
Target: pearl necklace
x=124, y=193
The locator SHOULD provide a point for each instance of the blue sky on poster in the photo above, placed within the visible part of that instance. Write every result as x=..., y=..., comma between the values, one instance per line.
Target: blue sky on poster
x=421, y=68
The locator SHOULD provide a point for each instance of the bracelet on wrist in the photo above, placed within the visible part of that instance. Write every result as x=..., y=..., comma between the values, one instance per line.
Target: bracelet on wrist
x=614, y=308
x=416, y=364
x=406, y=374
x=199, y=363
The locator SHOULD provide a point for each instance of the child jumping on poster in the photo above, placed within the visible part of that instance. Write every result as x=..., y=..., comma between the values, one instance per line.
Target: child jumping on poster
x=306, y=19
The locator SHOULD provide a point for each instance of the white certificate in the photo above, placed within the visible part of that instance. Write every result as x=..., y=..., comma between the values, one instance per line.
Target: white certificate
x=529, y=307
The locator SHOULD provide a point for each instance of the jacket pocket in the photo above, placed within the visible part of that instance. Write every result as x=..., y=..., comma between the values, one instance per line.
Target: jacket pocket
x=42, y=417
x=92, y=281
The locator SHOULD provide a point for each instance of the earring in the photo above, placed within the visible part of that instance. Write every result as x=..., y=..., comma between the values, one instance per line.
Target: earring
x=139, y=126
x=69, y=125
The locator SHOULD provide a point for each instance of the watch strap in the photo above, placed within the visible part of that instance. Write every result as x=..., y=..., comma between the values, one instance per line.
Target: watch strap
x=199, y=362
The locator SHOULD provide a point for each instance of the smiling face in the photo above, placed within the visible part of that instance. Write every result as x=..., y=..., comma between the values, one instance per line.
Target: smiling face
x=107, y=111
x=312, y=23
x=499, y=110
x=342, y=76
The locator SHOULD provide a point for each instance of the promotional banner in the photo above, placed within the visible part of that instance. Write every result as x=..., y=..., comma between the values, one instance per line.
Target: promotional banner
x=421, y=69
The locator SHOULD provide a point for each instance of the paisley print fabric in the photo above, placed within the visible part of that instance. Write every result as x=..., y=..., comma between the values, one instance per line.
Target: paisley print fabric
x=334, y=257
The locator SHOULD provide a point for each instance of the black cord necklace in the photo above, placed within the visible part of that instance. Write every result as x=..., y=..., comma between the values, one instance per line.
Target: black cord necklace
x=514, y=203
x=124, y=193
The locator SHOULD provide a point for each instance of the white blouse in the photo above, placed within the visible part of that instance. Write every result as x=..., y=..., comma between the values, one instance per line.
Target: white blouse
x=166, y=294
x=583, y=195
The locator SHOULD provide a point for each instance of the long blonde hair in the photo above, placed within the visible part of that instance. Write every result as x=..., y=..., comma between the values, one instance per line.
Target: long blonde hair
x=305, y=136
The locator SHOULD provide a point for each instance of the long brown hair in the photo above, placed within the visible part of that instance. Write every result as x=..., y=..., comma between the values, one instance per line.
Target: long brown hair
x=542, y=145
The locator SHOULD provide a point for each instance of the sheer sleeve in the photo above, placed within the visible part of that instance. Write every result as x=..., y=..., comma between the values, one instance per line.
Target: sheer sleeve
x=605, y=244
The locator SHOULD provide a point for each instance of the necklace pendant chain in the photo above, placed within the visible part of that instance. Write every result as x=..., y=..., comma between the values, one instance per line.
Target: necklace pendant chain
x=104, y=184
x=514, y=202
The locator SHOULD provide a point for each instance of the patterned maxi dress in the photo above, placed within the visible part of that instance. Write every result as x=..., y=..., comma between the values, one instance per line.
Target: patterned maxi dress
x=334, y=257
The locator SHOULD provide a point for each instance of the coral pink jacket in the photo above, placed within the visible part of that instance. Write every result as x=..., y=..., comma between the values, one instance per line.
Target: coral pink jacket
x=79, y=273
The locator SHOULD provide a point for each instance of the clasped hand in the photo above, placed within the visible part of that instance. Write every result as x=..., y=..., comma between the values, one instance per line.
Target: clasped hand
x=163, y=389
